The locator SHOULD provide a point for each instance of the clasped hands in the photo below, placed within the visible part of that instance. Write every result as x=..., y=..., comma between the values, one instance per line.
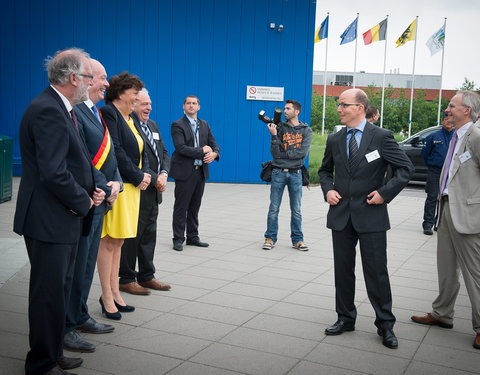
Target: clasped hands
x=208, y=154
x=97, y=197
x=333, y=197
x=147, y=177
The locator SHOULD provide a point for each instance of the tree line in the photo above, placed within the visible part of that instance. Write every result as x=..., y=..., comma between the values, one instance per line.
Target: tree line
x=395, y=111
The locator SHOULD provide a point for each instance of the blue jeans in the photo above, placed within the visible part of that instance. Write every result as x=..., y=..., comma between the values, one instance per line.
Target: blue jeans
x=293, y=181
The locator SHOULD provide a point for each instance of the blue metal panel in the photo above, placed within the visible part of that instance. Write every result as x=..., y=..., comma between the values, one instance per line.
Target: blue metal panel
x=211, y=48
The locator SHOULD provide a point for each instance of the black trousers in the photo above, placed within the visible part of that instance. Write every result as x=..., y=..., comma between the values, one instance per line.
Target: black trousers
x=142, y=246
x=432, y=189
x=85, y=261
x=373, y=249
x=51, y=276
x=188, y=199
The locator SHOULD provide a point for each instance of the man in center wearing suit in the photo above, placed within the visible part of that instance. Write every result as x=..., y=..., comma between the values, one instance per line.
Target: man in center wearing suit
x=195, y=148
x=142, y=247
x=107, y=178
x=352, y=179
x=458, y=242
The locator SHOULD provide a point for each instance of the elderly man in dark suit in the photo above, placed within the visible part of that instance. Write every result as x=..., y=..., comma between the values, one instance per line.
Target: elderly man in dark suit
x=107, y=178
x=458, y=243
x=195, y=148
x=142, y=247
x=352, y=179
x=56, y=194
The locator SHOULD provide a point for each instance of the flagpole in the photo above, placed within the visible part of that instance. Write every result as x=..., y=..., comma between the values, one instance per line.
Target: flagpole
x=441, y=75
x=383, y=84
x=355, y=60
x=325, y=85
x=413, y=79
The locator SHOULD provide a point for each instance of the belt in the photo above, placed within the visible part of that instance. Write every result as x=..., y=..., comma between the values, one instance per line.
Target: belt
x=445, y=198
x=291, y=170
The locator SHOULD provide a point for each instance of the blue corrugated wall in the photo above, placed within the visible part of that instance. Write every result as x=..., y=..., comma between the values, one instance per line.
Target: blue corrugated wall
x=211, y=48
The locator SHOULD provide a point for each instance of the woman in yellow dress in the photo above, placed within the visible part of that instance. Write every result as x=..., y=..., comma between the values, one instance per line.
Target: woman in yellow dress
x=122, y=220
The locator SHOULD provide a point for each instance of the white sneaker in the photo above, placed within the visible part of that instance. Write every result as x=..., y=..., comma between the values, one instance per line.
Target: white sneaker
x=268, y=244
x=300, y=246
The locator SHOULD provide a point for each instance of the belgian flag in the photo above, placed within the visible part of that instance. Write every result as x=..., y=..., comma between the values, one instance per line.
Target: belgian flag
x=376, y=33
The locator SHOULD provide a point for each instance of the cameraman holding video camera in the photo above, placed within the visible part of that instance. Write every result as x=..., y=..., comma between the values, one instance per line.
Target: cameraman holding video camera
x=289, y=146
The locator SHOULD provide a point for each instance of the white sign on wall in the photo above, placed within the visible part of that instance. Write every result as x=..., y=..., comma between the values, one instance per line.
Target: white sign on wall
x=274, y=94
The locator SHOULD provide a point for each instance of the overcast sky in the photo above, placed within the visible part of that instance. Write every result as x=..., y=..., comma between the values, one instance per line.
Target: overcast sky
x=462, y=37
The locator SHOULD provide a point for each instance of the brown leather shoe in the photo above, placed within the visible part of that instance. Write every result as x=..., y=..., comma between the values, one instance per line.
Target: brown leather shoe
x=155, y=284
x=430, y=320
x=476, y=342
x=134, y=288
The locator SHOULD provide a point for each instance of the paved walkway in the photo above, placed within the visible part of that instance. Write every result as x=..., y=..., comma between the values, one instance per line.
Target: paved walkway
x=235, y=309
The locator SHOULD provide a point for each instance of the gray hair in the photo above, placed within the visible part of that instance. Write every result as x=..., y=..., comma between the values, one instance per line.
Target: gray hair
x=471, y=99
x=64, y=63
x=145, y=91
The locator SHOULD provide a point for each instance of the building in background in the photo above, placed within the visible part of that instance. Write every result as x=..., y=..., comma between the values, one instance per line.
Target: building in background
x=232, y=54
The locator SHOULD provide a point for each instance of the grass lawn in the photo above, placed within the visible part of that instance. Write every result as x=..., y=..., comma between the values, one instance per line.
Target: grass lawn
x=317, y=149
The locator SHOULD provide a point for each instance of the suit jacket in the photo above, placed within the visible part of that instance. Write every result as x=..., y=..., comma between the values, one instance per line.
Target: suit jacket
x=57, y=179
x=185, y=151
x=355, y=185
x=464, y=186
x=153, y=168
x=126, y=146
x=93, y=133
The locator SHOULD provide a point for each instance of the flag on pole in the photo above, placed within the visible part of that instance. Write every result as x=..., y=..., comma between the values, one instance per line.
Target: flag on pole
x=322, y=31
x=436, y=41
x=376, y=33
x=350, y=33
x=408, y=34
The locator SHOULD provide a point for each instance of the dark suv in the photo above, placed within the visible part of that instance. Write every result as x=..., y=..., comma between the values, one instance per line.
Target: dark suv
x=413, y=148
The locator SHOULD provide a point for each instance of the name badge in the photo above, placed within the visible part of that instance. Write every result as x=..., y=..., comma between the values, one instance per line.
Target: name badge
x=465, y=156
x=371, y=156
x=156, y=136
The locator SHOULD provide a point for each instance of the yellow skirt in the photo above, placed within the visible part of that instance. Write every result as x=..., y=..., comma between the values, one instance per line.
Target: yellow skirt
x=122, y=220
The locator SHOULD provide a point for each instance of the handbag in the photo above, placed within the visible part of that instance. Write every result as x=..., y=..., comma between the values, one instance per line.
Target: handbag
x=266, y=173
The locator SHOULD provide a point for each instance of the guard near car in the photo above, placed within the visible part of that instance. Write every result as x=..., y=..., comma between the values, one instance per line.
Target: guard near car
x=434, y=153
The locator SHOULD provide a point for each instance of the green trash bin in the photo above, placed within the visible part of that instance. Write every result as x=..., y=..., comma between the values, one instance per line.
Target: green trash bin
x=6, y=157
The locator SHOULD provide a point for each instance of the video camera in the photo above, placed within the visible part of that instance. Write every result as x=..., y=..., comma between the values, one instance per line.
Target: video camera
x=277, y=116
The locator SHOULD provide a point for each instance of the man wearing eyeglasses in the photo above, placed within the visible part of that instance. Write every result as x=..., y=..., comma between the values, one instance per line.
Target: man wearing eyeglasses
x=458, y=242
x=54, y=204
x=352, y=179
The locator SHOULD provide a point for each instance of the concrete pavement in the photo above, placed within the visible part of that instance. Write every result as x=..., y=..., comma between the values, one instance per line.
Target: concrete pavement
x=236, y=309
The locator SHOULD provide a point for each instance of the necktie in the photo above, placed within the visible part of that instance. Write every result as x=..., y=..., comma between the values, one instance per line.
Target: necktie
x=352, y=149
x=74, y=118
x=149, y=135
x=196, y=142
x=448, y=162
x=95, y=112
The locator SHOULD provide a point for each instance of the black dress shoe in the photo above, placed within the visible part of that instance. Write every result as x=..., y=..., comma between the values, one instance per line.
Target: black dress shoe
x=114, y=316
x=57, y=370
x=73, y=342
x=92, y=326
x=178, y=245
x=66, y=363
x=339, y=327
x=389, y=338
x=428, y=231
x=197, y=242
x=126, y=308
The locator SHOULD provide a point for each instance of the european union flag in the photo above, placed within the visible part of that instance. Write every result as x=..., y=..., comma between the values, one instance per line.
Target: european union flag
x=350, y=33
x=322, y=31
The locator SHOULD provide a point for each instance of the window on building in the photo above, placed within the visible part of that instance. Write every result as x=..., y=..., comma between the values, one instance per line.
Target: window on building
x=343, y=80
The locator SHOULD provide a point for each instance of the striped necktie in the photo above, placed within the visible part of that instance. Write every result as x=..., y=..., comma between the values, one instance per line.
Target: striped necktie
x=149, y=135
x=352, y=149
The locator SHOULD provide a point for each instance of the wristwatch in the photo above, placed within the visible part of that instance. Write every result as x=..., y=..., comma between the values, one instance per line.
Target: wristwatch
x=121, y=186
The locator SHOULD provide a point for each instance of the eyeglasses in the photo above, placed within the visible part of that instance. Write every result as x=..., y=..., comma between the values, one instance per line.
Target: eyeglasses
x=89, y=76
x=345, y=105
